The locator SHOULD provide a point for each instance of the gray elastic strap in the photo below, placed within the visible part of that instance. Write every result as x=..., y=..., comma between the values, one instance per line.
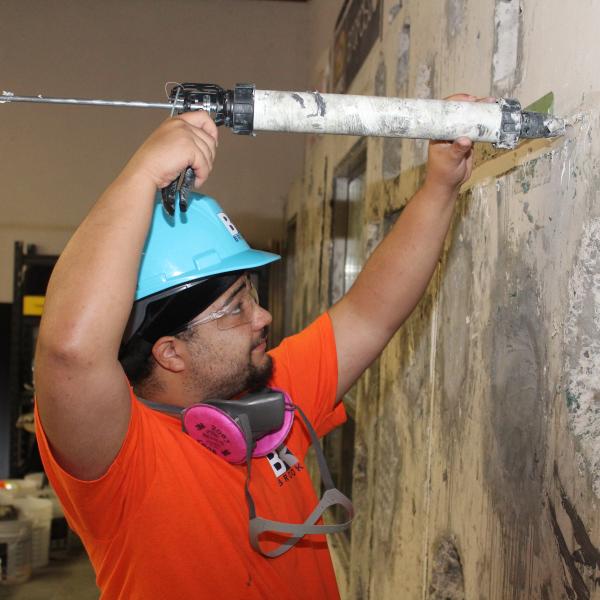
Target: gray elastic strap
x=331, y=497
x=164, y=408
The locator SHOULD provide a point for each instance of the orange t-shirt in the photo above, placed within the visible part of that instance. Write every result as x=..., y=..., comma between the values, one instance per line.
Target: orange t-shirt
x=169, y=520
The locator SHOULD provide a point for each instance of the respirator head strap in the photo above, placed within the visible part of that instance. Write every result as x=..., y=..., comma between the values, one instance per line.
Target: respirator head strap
x=244, y=423
x=331, y=497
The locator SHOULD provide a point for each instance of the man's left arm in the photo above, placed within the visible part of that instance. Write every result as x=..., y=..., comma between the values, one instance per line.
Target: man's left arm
x=397, y=274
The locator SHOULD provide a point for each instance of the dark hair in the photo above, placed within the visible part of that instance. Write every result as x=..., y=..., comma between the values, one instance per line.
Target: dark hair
x=137, y=360
x=166, y=315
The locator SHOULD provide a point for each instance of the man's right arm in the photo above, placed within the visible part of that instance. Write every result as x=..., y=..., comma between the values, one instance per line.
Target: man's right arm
x=81, y=391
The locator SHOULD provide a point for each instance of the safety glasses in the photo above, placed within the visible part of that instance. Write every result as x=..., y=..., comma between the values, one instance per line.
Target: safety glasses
x=237, y=310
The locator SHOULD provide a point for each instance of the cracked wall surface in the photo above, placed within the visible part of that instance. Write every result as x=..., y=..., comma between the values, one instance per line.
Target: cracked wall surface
x=477, y=469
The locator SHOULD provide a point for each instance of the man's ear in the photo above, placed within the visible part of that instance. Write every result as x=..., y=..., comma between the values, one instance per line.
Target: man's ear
x=168, y=351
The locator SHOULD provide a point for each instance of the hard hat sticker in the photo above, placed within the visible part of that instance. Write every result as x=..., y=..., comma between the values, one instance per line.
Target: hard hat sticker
x=235, y=234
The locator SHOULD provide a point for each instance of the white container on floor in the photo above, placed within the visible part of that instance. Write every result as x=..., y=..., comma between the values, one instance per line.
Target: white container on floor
x=15, y=551
x=39, y=512
x=37, y=479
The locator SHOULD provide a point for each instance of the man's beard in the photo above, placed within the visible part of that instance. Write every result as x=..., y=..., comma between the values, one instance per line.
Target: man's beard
x=253, y=378
x=258, y=377
x=249, y=378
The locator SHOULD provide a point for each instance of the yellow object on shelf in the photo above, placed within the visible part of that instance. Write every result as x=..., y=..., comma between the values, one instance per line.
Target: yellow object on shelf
x=33, y=306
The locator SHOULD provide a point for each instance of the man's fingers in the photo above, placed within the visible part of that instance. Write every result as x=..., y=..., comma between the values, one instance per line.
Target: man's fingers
x=203, y=135
x=461, y=146
x=201, y=120
x=471, y=98
x=462, y=97
x=203, y=162
x=206, y=142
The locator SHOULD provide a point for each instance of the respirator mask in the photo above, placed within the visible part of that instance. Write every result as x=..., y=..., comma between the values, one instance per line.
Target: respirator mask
x=251, y=427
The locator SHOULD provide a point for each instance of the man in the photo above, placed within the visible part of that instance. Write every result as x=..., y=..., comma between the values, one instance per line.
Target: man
x=159, y=514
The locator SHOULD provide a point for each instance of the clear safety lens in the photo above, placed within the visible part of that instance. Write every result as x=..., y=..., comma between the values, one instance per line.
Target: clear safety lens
x=239, y=311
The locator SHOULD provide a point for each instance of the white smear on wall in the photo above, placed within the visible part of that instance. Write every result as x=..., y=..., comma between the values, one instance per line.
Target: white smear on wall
x=455, y=15
x=506, y=47
x=582, y=340
x=423, y=81
x=402, y=63
x=423, y=89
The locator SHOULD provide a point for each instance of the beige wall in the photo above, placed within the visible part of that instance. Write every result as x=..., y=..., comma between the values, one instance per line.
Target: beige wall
x=55, y=161
x=476, y=468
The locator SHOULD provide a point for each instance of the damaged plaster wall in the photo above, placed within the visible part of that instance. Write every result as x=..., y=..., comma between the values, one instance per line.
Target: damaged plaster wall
x=477, y=469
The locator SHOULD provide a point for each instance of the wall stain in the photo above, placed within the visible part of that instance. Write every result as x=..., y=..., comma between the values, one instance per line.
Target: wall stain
x=394, y=10
x=517, y=451
x=514, y=439
x=584, y=562
x=454, y=337
x=324, y=191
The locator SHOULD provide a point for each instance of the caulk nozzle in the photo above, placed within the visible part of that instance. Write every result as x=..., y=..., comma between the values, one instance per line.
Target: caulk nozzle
x=539, y=125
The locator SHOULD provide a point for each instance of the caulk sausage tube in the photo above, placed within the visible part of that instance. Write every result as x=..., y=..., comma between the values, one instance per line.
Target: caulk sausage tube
x=501, y=123
x=312, y=112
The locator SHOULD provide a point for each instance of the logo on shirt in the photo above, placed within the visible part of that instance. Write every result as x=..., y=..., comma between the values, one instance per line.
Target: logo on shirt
x=284, y=464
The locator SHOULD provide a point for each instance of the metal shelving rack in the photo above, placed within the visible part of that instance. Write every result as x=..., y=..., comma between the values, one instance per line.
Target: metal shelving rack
x=31, y=274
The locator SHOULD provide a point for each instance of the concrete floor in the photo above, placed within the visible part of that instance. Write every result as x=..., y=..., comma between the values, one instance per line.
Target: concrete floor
x=69, y=579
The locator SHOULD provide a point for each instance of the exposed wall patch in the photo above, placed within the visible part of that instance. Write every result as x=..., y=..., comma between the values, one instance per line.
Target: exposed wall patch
x=392, y=147
x=402, y=63
x=455, y=10
x=394, y=10
x=424, y=81
x=381, y=78
x=391, y=164
x=423, y=89
x=582, y=348
x=532, y=174
x=447, y=579
x=505, y=65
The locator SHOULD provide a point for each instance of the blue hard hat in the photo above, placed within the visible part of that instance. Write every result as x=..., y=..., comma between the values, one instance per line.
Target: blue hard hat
x=183, y=251
x=191, y=245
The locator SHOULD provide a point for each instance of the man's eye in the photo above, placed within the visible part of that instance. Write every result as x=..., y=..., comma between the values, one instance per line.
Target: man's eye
x=236, y=309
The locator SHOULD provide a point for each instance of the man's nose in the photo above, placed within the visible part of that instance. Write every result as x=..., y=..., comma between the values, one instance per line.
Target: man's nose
x=262, y=317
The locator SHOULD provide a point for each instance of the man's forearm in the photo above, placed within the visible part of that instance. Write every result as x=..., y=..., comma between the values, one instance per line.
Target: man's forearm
x=91, y=290
x=399, y=270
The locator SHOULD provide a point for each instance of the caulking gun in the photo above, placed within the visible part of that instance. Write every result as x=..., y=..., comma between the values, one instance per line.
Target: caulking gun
x=247, y=110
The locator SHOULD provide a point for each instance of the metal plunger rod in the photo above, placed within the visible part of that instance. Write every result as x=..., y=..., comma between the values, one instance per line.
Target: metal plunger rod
x=86, y=102
x=247, y=110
